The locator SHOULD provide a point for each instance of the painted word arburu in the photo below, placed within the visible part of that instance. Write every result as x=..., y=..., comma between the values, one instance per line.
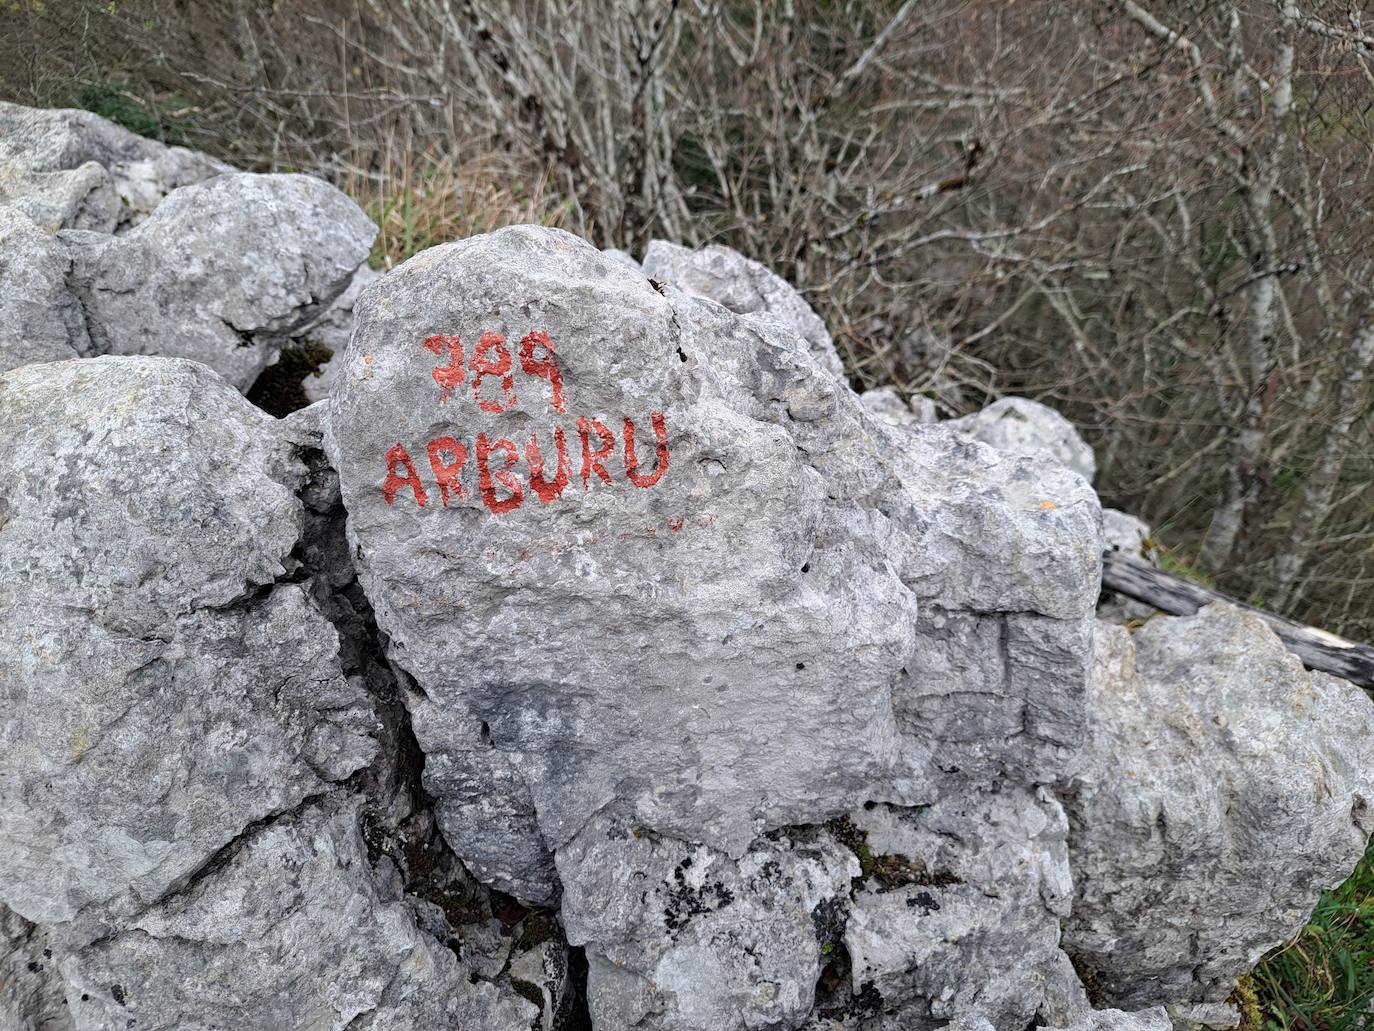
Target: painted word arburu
x=490, y=375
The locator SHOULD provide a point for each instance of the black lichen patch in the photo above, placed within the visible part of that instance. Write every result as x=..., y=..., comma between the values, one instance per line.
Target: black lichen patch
x=924, y=901
x=117, y=993
x=686, y=901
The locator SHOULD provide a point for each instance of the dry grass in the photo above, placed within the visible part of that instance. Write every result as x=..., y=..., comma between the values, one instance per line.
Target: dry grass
x=422, y=199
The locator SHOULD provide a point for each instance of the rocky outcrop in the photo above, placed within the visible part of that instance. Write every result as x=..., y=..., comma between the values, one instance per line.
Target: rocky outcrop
x=1021, y=426
x=1224, y=787
x=225, y=272
x=67, y=169
x=146, y=547
x=591, y=654
x=743, y=286
x=523, y=384
x=120, y=245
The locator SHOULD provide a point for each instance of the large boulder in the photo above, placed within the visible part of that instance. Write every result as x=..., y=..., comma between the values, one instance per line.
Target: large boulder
x=1021, y=426
x=745, y=287
x=68, y=169
x=1224, y=788
x=647, y=559
x=40, y=321
x=164, y=687
x=225, y=272
x=291, y=932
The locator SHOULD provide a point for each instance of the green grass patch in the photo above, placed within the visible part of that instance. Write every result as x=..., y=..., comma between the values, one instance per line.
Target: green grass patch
x=1171, y=562
x=1323, y=980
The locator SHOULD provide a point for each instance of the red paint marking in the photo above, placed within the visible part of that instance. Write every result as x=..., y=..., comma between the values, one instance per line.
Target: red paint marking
x=547, y=490
x=660, y=449
x=446, y=473
x=675, y=524
x=592, y=460
x=398, y=456
x=500, y=366
x=546, y=369
x=502, y=476
x=451, y=375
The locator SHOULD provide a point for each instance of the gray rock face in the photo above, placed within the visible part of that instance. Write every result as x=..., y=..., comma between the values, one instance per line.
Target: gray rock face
x=745, y=287
x=1224, y=789
x=31, y=989
x=332, y=331
x=290, y=933
x=1021, y=426
x=960, y=915
x=148, y=511
x=1153, y=1019
x=683, y=936
x=1123, y=532
x=224, y=272
x=887, y=405
x=572, y=499
x=68, y=169
x=39, y=320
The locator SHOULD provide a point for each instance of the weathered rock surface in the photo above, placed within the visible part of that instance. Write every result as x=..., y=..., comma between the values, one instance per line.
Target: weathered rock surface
x=1225, y=788
x=1021, y=426
x=332, y=330
x=745, y=287
x=290, y=933
x=602, y=649
x=31, y=989
x=887, y=404
x=223, y=273
x=683, y=936
x=1123, y=532
x=68, y=169
x=40, y=320
x=1153, y=1019
x=958, y=917
x=162, y=690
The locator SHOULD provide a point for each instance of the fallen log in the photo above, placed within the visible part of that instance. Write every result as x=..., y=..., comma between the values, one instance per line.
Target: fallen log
x=1317, y=649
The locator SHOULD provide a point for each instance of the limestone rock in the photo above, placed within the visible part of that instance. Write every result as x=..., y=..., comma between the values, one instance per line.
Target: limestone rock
x=69, y=169
x=763, y=609
x=1224, y=789
x=1024, y=427
x=162, y=690
x=959, y=916
x=290, y=932
x=1124, y=532
x=745, y=287
x=224, y=272
x=39, y=320
x=332, y=330
x=624, y=257
x=1153, y=1019
x=31, y=989
x=681, y=936
x=887, y=404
